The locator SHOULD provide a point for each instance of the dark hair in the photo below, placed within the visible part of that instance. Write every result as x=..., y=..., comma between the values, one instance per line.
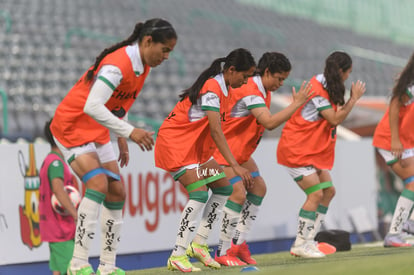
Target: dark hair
x=273, y=61
x=48, y=133
x=405, y=78
x=334, y=82
x=160, y=30
x=241, y=59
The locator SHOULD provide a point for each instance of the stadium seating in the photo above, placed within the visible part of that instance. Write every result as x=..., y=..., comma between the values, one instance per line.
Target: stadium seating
x=46, y=45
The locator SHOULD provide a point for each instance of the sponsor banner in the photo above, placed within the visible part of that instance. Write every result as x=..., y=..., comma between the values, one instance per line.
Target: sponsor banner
x=154, y=200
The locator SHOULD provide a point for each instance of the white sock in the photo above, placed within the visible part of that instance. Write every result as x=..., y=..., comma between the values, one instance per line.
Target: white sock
x=88, y=212
x=187, y=225
x=248, y=216
x=318, y=223
x=228, y=227
x=211, y=214
x=412, y=216
x=111, y=223
x=402, y=210
x=305, y=229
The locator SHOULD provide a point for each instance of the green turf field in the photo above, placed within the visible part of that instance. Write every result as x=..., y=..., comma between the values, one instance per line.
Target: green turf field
x=361, y=259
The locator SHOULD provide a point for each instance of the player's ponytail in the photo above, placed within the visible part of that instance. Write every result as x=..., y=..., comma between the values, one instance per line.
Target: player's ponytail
x=160, y=30
x=241, y=59
x=48, y=133
x=336, y=62
x=194, y=90
x=405, y=79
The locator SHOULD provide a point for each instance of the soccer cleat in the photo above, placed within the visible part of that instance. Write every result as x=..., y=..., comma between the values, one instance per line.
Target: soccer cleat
x=306, y=250
x=181, y=263
x=86, y=270
x=326, y=248
x=396, y=240
x=201, y=252
x=243, y=253
x=229, y=260
x=408, y=227
x=115, y=271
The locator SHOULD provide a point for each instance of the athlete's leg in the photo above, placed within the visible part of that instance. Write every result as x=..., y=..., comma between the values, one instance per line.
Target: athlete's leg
x=198, y=196
x=328, y=194
x=309, y=182
x=230, y=251
x=197, y=200
x=404, y=168
x=111, y=214
x=255, y=195
x=88, y=211
x=231, y=216
x=307, y=214
x=231, y=211
x=221, y=190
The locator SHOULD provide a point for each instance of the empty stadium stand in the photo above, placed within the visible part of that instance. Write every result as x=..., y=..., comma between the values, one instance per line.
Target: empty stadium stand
x=46, y=45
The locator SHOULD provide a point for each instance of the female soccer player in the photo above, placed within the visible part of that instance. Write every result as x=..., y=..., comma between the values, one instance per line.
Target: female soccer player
x=307, y=146
x=246, y=117
x=185, y=145
x=394, y=140
x=94, y=106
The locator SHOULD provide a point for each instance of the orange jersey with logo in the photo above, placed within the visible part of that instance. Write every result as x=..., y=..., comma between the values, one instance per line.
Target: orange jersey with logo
x=184, y=137
x=305, y=142
x=382, y=134
x=72, y=127
x=242, y=131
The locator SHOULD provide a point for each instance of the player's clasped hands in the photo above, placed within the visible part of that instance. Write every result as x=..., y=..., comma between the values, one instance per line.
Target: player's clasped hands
x=143, y=138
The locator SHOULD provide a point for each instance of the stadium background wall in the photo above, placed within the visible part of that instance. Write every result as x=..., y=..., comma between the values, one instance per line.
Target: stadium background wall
x=154, y=204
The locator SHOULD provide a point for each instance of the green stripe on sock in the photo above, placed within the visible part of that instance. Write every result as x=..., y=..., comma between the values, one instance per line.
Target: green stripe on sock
x=255, y=199
x=408, y=194
x=114, y=205
x=223, y=190
x=311, y=215
x=322, y=209
x=234, y=206
x=200, y=196
x=95, y=195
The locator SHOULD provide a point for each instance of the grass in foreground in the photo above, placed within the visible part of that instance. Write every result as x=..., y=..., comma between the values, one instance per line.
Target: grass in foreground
x=366, y=260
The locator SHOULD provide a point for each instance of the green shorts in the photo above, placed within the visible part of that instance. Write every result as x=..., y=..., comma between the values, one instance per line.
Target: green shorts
x=60, y=255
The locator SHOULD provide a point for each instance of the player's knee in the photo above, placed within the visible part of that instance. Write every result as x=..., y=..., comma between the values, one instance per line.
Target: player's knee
x=98, y=183
x=259, y=188
x=330, y=192
x=118, y=192
x=239, y=194
x=223, y=190
x=316, y=196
